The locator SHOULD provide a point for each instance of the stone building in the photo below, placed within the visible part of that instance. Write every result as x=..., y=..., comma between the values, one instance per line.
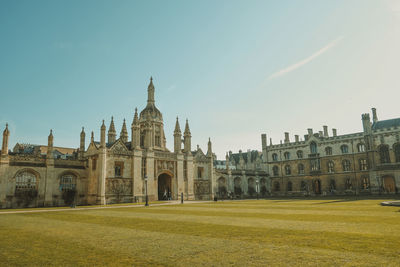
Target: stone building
x=366, y=162
x=108, y=170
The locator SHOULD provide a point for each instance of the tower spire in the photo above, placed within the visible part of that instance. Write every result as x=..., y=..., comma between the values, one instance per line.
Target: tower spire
x=124, y=133
x=187, y=142
x=6, y=135
x=177, y=137
x=150, y=93
x=112, y=134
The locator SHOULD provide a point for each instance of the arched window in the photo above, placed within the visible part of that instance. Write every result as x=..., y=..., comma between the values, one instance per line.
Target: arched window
x=313, y=148
x=300, y=154
x=361, y=147
x=303, y=186
x=384, y=153
x=25, y=181
x=275, y=157
x=331, y=166
x=287, y=170
x=289, y=186
x=365, y=182
x=396, y=149
x=344, y=149
x=328, y=151
x=251, y=187
x=286, y=155
x=347, y=184
x=332, y=185
x=363, y=164
x=346, y=165
x=300, y=168
x=277, y=186
x=67, y=182
x=275, y=170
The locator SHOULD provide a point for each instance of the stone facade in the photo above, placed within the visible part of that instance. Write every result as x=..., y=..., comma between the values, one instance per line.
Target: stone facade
x=108, y=171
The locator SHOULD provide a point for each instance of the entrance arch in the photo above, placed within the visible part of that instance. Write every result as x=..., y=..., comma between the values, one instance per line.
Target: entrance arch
x=164, y=186
x=388, y=184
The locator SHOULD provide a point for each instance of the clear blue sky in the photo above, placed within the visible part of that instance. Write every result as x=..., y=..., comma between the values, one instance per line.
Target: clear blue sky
x=235, y=69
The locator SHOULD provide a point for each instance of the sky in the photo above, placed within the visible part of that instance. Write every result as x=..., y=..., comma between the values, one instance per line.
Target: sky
x=234, y=69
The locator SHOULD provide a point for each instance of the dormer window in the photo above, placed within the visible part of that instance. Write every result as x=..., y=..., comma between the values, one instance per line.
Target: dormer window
x=313, y=148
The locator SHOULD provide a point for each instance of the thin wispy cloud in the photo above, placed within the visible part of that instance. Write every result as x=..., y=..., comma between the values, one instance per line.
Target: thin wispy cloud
x=306, y=60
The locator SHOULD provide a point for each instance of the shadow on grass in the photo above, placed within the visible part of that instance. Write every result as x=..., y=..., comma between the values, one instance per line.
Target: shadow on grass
x=337, y=201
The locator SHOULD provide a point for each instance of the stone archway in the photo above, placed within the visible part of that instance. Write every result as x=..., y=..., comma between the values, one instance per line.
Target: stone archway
x=317, y=186
x=389, y=184
x=164, y=186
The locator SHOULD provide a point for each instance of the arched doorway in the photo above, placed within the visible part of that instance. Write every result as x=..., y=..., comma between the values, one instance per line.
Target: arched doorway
x=388, y=184
x=164, y=186
x=317, y=186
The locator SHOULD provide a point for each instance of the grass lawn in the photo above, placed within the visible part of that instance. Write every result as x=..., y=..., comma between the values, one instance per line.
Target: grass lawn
x=241, y=233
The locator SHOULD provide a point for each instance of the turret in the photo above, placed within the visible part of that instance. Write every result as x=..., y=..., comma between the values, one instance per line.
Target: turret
x=112, y=134
x=187, y=138
x=287, y=140
x=209, y=148
x=227, y=161
x=150, y=93
x=177, y=137
x=6, y=135
x=374, y=116
x=50, y=140
x=366, y=121
x=103, y=135
x=135, y=129
x=92, y=138
x=124, y=133
x=82, y=143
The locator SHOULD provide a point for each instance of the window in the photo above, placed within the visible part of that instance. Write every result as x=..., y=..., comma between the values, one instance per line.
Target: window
x=347, y=184
x=331, y=167
x=344, y=149
x=313, y=148
x=328, y=151
x=315, y=165
x=67, y=182
x=277, y=186
x=287, y=170
x=396, y=149
x=303, y=186
x=25, y=181
x=300, y=154
x=200, y=171
x=185, y=171
x=142, y=137
x=118, y=169
x=286, y=155
x=332, y=185
x=361, y=147
x=157, y=140
x=144, y=169
x=365, y=183
x=346, y=165
x=300, y=168
x=289, y=186
x=274, y=157
x=275, y=170
x=363, y=164
x=384, y=154
x=94, y=163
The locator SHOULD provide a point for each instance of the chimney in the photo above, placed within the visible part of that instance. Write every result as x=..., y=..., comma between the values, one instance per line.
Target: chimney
x=305, y=137
x=320, y=133
x=296, y=138
x=374, y=116
x=334, y=132
x=310, y=132
x=287, y=138
x=326, y=131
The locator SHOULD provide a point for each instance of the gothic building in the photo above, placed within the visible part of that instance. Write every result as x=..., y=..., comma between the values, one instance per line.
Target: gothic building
x=108, y=170
x=362, y=163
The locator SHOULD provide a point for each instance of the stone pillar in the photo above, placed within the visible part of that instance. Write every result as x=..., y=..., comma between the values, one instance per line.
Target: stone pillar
x=179, y=176
x=190, y=180
x=152, y=185
x=138, y=180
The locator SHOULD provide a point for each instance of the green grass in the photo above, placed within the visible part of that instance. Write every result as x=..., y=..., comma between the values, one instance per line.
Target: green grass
x=240, y=233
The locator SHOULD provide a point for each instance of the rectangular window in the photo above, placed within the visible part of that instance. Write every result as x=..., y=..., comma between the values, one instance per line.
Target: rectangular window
x=144, y=170
x=363, y=165
x=200, y=171
x=118, y=168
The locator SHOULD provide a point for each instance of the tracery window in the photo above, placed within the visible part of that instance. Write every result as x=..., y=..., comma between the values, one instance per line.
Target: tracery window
x=288, y=170
x=313, y=148
x=275, y=170
x=315, y=165
x=363, y=164
x=346, y=165
x=300, y=154
x=384, y=154
x=286, y=155
x=365, y=183
x=25, y=181
x=328, y=151
x=300, y=168
x=361, y=147
x=67, y=182
x=331, y=166
x=347, y=184
x=344, y=149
